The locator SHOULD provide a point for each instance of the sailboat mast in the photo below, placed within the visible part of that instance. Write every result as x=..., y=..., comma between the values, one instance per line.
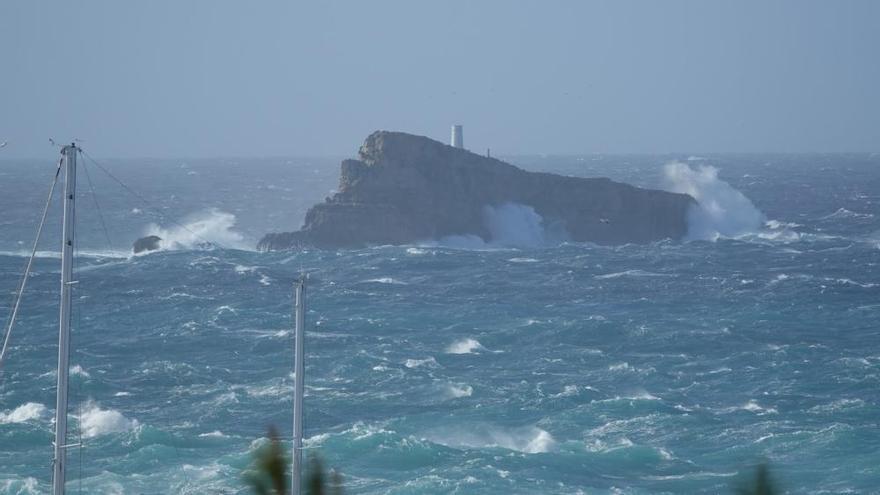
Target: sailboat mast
x=67, y=238
x=299, y=368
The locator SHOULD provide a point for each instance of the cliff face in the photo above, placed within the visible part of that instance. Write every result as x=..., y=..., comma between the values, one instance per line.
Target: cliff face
x=407, y=188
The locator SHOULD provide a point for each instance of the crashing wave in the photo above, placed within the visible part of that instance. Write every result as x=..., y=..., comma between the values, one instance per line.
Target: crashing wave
x=95, y=421
x=200, y=230
x=721, y=211
x=510, y=225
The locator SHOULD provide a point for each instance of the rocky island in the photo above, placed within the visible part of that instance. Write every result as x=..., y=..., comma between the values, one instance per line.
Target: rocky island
x=405, y=188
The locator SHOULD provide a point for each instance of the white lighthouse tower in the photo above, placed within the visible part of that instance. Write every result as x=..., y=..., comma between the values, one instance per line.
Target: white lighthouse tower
x=457, y=140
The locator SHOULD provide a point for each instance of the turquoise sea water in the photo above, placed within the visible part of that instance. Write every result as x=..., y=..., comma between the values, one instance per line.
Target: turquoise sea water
x=562, y=368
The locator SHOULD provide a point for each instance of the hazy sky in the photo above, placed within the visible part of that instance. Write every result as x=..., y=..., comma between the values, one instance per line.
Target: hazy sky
x=223, y=78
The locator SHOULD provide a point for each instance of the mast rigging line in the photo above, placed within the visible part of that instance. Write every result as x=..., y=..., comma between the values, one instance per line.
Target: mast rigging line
x=27, y=270
x=98, y=207
x=147, y=202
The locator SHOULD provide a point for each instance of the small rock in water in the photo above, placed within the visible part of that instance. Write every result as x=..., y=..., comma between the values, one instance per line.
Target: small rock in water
x=148, y=243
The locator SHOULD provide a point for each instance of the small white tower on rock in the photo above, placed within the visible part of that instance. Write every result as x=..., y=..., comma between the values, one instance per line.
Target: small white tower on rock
x=457, y=137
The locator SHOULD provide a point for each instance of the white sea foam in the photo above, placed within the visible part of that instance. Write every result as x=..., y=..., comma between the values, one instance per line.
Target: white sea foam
x=83, y=253
x=522, y=260
x=837, y=406
x=721, y=210
x=207, y=227
x=844, y=213
x=457, y=390
x=568, y=391
x=465, y=346
x=620, y=367
x=631, y=273
x=643, y=395
x=417, y=363
x=23, y=486
x=754, y=407
x=385, y=280
x=23, y=413
x=213, y=434
x=849, y=281
x=225, y=309
x=95, y=421
x=776, y=224
x=77, y=370
x=242, y=269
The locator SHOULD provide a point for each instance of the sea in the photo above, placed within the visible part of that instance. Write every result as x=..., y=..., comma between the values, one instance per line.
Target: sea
x=526, y=364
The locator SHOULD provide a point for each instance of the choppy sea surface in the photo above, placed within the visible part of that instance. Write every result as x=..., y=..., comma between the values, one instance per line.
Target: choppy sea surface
x=448, y=366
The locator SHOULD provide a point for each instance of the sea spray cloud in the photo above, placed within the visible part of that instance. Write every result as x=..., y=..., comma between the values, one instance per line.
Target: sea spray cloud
x=510, y=225
x=513, y=224
x=211, y=225
x=722, y=211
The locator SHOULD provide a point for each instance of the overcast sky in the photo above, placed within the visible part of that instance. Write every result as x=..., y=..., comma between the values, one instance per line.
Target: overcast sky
x=265, y=78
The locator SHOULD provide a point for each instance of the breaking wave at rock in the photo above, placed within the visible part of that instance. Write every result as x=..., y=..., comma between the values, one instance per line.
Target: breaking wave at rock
x=510, y=225
x=722, y=211
x=200, y=230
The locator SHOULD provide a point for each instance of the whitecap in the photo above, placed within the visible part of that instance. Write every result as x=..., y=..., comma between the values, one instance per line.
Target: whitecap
x=528, y=440
x=567, y=391
x=95, y=421
x=78, y=370
x=837, y=406
x=848, y=281
x=754, y=407
x=643, y=395
x=456, y=391
x=416, y=363
x=620, y=367
x=384, y=280
x=23, y=413
x=465, y=346
x=776, y=224
x=213, y=434
x=631, y=273
x=844, y=213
